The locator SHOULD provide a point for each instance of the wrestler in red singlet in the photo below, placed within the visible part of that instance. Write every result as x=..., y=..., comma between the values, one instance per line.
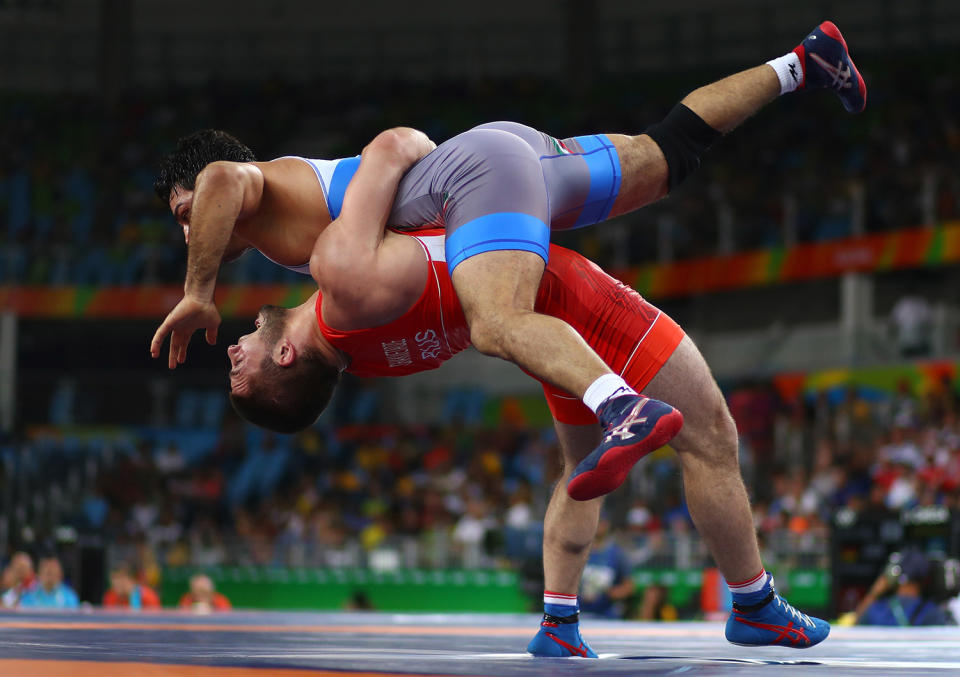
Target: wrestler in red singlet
x=633, y=337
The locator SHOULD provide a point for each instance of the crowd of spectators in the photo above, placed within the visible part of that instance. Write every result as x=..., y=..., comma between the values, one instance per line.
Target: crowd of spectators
x=45, y=589
x=77, y=205
x=388, y=496
x=337, y=495
x=852, y=447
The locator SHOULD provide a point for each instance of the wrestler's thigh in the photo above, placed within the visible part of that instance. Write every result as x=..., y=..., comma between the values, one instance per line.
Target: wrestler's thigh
x=497, y=282
x=643, y=170
x=685, y=382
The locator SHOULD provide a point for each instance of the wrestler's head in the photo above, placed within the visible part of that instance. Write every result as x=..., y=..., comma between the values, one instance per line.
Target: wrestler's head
x=178, y=171
x=274, y=383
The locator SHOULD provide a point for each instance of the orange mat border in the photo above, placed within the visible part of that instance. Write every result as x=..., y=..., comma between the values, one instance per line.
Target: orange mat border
x=472, y=630
x=10, y=667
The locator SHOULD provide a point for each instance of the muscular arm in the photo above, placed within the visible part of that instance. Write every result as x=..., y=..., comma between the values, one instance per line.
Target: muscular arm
x=369, y=197
x=348, y=261
x=224, y=193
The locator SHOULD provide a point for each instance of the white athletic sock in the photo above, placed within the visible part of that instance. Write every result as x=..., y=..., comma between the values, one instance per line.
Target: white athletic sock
x=789, y=70
x=559, y=598
x=605, y=387
x=755, y=584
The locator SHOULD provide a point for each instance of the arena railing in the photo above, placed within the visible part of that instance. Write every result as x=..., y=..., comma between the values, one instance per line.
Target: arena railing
x=503, y=549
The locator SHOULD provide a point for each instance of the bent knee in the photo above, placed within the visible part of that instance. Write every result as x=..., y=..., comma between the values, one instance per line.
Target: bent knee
x=712, y=437
x=488, y=335
x=492, y=328
x=722, y=432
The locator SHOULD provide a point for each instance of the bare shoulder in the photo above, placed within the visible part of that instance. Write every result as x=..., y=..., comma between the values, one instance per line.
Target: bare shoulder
x=359, y=294
x=353, y=303
x=294, y=207
x=294, y=180
x=225, y=171
x=284, y=168
x=341, y=263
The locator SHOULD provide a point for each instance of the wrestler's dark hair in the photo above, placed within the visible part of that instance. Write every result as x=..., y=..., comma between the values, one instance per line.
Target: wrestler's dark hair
x=193, y=153
x=287, y=399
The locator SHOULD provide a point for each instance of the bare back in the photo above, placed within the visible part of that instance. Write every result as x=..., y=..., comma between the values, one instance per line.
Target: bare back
x=292, y=214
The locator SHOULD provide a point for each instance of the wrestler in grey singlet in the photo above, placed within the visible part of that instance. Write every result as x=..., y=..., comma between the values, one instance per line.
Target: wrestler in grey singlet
x=497, y=187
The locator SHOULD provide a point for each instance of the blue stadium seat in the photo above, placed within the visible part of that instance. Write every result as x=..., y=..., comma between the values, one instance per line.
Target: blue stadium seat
x=214, y=403
x=185, y=412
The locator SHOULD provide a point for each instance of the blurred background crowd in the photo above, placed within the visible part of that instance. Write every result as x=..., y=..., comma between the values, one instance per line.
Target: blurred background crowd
x=68, y=221
x=467, y=495
x=124, y=485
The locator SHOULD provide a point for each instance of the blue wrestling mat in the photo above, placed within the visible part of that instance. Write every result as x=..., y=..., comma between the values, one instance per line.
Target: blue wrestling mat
x=173, y=644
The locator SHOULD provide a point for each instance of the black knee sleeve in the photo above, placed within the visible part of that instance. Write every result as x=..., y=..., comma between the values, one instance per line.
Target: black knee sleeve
x=682, y=136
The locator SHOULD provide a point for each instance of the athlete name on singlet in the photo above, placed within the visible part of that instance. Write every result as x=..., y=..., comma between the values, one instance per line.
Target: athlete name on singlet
x=397, y=351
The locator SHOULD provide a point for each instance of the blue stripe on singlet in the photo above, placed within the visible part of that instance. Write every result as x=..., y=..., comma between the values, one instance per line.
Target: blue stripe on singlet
x=338, y=184
x=604, y=165
x=495, y=232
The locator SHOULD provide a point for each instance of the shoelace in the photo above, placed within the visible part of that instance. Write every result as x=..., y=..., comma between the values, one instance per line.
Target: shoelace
x=793, y=612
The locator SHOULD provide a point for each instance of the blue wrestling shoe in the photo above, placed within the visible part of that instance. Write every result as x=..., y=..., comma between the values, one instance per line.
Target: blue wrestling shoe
x=633, y=426
x=774, y=622
x=827, y=64
x=560, y=638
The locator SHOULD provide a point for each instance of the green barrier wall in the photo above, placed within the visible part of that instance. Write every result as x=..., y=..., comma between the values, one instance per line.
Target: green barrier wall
x=437, y=590
x=410, y=590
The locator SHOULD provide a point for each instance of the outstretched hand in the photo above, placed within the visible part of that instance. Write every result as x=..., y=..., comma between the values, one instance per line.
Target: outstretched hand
x=187, y=317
